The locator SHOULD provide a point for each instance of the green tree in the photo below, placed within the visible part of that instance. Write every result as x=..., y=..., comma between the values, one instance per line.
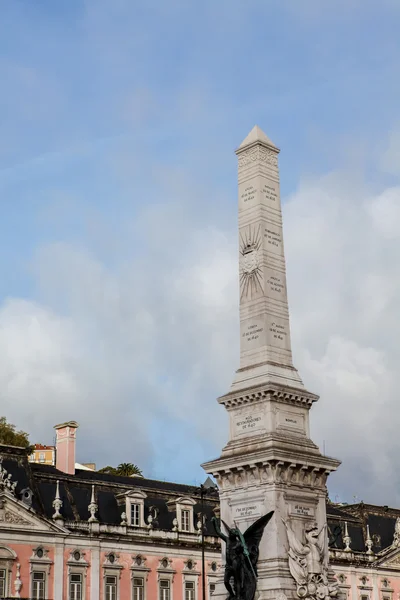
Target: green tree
x=123, y=469
x=128, y=469
x=109, y=470
x=10, y=437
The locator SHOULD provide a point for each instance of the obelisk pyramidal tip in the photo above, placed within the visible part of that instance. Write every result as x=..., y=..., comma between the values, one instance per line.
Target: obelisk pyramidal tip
x=265, y=347
x=257, y=135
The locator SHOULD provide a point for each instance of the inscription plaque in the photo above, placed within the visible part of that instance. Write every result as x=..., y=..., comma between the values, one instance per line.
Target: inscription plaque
x=252, y=334
x=273, y=238
x=302, y=510
x=270, y=192
x=291, y=421
x=247, y=512
x=252, y=422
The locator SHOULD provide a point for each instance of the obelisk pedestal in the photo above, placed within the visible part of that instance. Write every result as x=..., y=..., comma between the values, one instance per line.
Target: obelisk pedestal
x=269, y=462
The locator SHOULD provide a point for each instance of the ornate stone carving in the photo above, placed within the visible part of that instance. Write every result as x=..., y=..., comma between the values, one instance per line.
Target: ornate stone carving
x=396, y=536
x=93, y=508
x=308, y=562
x=252, y=155
x=5, y=479
x=248, y=157
x=273, y=472
x=18, y=582
x=13, y=518
x=57, y=504
x=268, y=156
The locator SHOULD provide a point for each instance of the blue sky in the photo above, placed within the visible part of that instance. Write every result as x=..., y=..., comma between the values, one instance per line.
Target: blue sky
x=118, y=123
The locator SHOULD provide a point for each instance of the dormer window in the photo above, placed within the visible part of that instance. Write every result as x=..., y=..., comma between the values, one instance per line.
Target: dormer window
x=184, y=513
x=133, y=505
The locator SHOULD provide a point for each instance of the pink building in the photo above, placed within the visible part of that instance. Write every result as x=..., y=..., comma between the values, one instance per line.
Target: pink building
x=83, y=535
x=86, y=536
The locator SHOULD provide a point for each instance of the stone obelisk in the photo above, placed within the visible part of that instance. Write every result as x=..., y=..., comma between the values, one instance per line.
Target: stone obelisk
x=269, y=462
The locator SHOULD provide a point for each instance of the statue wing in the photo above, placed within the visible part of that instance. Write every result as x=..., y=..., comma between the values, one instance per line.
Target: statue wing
x=254, y=533
x=252, y=537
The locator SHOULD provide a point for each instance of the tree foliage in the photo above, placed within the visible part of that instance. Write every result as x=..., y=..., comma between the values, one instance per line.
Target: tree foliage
x=10, y=437
x=123, y=469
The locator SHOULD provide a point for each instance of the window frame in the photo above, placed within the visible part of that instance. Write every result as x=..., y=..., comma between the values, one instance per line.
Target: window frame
x=7, y=559
x=161, y=596
x=184, y=503
x=185, y=520
x=5, y=579
x=39, y=564
x=143, y=578
x=139, y=572
x=33, y=581
x=186, y=583
x=136, y=507
x=81, y=583
x=127, y=499
x=165, y=573
x=113, y=576
x=77, y=567
x=111, y=569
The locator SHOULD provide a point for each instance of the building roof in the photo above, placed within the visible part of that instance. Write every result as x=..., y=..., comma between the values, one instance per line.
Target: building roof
x=356, y=521
x=76, y=490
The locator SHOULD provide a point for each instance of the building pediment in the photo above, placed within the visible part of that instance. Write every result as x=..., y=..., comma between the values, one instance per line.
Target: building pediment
x=390, y=558
x=15, y=515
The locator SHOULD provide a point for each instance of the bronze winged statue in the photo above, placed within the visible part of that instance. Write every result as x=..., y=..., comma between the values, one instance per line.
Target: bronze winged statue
x=242, y=551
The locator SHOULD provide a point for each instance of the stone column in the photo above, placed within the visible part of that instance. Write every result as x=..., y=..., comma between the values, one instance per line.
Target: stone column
x=269, y=462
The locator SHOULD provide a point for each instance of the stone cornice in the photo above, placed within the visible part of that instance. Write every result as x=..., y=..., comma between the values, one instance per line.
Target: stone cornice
x=242, y=472
x=269, y=391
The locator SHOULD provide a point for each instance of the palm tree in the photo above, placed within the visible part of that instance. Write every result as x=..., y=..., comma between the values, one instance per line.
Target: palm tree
x=123, y=469
x=128, y=469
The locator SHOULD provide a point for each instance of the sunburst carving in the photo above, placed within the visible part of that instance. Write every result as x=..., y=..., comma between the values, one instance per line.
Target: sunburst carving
x=250, y=262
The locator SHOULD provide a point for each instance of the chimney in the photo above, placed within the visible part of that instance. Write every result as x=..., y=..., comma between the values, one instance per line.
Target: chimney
x=65, y=446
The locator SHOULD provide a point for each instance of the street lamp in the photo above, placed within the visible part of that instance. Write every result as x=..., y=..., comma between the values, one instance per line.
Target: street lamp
x=208, y=485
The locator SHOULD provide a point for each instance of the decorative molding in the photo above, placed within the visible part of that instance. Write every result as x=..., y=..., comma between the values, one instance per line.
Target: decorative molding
x=40, y=560
x=273, y=471
x=273, y=393
x=256, y=154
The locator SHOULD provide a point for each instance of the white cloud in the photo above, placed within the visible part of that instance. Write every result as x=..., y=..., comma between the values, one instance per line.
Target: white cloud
x=147, y=342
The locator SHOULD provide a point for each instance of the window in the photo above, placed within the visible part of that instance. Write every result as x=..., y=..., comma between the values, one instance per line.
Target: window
x=41, y=457
x=38, y=585
x=165, y=589
x=135, y=515
x=212, y=588
x=75, y=586
x=111, y=587
x=3, y=583
x=138, y=588
x=189, y=590
x=185, y=520
x=364, y=597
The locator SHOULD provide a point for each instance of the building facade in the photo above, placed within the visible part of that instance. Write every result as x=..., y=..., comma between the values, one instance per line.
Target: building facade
x=89, y=536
